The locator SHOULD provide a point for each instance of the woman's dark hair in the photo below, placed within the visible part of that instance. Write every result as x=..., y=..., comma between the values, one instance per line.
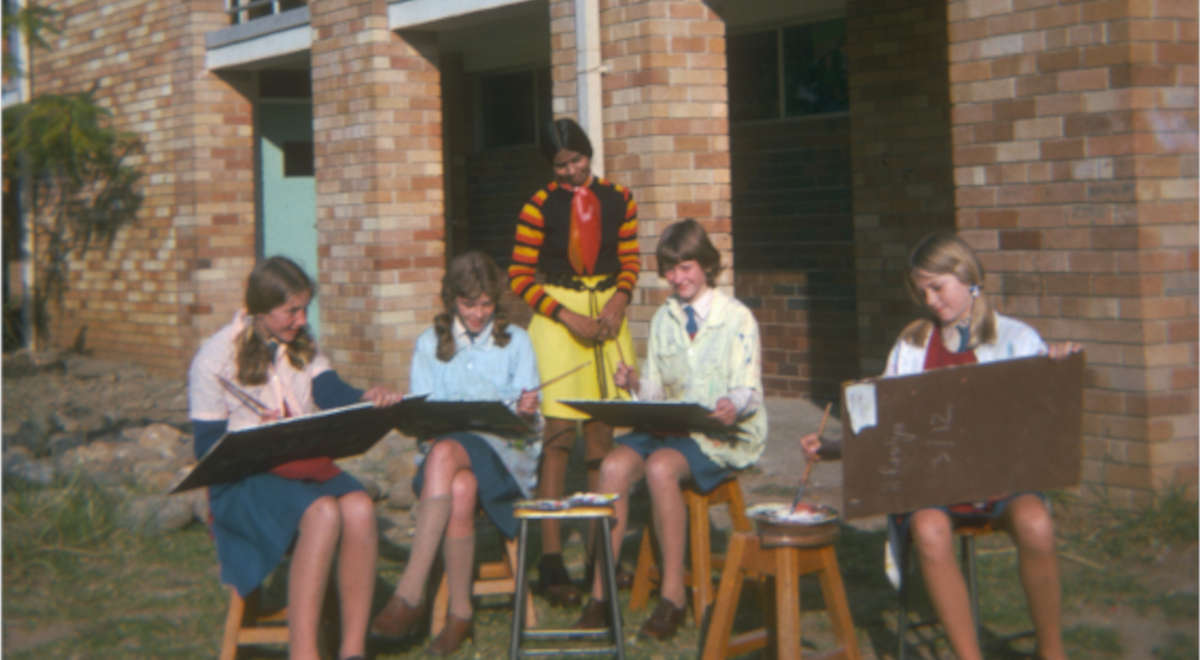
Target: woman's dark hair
x=565, y=134
x=269, y=285
x=469, y=275
x=686, y=240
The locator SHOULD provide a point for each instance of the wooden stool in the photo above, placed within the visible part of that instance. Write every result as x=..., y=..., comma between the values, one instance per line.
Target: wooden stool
x=703, y=562
x=751, y=556
x=521, y=632
x=493, y=578
x=245, y=623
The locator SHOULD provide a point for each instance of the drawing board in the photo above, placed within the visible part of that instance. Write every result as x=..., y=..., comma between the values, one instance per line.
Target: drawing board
x=961, y=434
x=651, y=416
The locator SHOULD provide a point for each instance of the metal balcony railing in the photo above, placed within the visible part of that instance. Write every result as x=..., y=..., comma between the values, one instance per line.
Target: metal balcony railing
x=243, y=11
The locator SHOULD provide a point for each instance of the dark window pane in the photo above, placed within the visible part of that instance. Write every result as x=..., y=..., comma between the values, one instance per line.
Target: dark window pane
x=753, y=76
x=299, y=159
x=815, y=68
x=507, y=109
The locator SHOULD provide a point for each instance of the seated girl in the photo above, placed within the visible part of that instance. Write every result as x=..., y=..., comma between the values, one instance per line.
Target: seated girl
x=703, y=348
x=963, y=327
x=470, y=354
x=268, y=353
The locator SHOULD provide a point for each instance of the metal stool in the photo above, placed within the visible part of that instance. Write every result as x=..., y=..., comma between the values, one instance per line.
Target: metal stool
x=521, y=633
x=966, y=533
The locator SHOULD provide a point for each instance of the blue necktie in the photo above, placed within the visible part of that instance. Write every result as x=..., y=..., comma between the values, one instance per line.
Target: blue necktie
x=691, y=326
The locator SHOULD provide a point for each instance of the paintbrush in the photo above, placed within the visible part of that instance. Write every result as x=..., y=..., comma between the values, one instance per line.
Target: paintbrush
x=808, y=464
x=245, y=397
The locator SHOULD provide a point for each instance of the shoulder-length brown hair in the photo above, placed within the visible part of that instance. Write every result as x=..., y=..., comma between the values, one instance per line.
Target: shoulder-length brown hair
x=269, y=285
x=947, y=254
x=686, y=240
x=469, y=275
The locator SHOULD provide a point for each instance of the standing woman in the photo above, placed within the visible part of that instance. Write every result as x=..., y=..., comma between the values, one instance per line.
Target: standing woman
x=268, y=353
x=470, y=354
x=579, y=233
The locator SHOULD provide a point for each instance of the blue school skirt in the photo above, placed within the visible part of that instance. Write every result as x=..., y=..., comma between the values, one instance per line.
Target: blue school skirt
x=255, y=521
x=705, y=473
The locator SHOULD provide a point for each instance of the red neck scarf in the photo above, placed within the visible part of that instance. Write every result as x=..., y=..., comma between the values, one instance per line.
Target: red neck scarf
x=584, y=240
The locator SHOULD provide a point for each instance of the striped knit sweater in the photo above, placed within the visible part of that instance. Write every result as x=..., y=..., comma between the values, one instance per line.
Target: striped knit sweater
x=543, y=229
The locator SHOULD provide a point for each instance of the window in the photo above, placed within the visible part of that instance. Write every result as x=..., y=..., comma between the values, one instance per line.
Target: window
x=788, y=72
x=509, y=112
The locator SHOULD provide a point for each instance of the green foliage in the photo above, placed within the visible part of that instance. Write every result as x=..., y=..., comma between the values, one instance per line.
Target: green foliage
x=31, y=22
x=1178, y=646
x=1134, y=534
x=1093, y=641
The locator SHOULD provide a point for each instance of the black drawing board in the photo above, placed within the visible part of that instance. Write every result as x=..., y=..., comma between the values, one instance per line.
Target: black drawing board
x=336, y=433
x=961, y=434
x=427, y=419
x=652, y=416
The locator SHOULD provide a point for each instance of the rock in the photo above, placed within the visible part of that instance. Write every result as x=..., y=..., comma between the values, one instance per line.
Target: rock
x=61, y=443
x=32, y=434
x=20, y=463
x=155, y=514
x=400, y=495
x=163, y=439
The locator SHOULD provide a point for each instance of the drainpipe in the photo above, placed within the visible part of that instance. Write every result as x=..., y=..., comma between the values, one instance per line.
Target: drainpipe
x=587, y=77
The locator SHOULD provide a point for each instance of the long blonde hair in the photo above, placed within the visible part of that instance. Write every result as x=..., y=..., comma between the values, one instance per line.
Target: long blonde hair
x=270, y=284
x=947, y=254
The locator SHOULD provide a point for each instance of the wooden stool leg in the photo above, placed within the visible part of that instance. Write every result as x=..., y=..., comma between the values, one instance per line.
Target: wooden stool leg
x=701, y=553
x=510, y=551
x=728, y=593
x=836, y=603
x=233, y=622
x=787, y=602
x=441, y=605
x=643, y=573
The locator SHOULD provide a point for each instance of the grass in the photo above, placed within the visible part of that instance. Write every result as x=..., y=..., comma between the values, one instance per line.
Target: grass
x=77, y=585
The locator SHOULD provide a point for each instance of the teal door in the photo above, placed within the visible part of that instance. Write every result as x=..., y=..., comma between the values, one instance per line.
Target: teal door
x=288, y=193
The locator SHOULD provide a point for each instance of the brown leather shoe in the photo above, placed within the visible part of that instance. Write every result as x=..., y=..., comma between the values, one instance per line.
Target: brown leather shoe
x=398, y=619
x=664, y=622
x=594, y=615
x=455, y=632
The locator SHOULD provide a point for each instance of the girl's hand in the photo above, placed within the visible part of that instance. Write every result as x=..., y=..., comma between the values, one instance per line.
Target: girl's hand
x=811, y=444
x=725, y=411
x=527, y=403
x=625, y=377
x=1063, y=349
x=613, y=315
x=581, y=326
x=269, y=416
x=382, y=396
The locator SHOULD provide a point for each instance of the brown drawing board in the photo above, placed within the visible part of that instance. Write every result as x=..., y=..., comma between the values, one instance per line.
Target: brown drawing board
x=961, y=434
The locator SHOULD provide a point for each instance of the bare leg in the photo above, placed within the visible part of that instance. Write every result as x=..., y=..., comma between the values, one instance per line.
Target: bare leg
x=356, y=569
x=1032, y=529
x=309, y=573
x=933, y=539
x=665, y=471
x=619, y=471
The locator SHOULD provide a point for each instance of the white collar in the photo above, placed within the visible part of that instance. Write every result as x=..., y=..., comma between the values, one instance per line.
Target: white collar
x=701, y=304
x=461, y=336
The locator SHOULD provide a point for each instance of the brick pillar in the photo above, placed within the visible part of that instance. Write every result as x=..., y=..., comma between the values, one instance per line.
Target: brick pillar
x=1075, y=159
x=378, y=134
x=165, y=282
x=666, y=128
x=900, y=155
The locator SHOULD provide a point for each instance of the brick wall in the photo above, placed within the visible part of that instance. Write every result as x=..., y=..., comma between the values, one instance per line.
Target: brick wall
x=164, y=283
x=1075, y=160
x=666, y=128
x=378, y=134
x=901, y=150
x=793, y=242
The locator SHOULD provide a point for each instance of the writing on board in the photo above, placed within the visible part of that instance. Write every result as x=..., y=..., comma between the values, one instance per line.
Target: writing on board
x=934, y=441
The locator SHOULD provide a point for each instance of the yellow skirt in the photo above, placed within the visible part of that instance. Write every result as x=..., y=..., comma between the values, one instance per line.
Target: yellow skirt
x=558, y=351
